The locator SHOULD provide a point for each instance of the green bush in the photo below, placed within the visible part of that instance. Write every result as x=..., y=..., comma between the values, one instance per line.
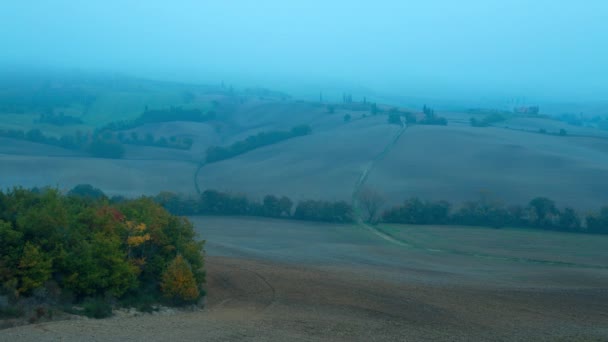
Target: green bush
x=88, y=247
x=97, y=308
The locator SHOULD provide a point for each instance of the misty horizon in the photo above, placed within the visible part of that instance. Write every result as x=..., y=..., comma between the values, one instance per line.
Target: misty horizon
x=473, y=52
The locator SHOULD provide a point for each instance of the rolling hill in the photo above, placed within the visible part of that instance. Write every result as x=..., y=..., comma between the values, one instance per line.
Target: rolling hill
x=510, y=161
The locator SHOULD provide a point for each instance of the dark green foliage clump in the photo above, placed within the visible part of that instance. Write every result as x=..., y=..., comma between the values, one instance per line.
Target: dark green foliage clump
x=310, y=210
x=217, y=153
x=97, y=308
x=488, y=120
x=415, y=211
x=598, y=223
x=540, y=213
x=213, y=202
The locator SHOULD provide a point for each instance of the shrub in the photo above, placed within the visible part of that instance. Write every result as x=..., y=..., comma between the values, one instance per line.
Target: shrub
x=97, y=308
x=80, y=247
x=178, y=281
x=86, y=191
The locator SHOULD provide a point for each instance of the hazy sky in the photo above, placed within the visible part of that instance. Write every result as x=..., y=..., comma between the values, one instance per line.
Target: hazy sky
x=475, y=48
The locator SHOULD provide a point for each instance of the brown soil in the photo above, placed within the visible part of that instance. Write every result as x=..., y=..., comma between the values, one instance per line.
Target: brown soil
x=264, y=300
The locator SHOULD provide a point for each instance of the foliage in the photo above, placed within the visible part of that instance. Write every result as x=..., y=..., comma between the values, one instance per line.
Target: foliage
x=213, y=202
x=415, y=211
x=161, y=115
x=97, y=308
x=34, y=268
x=488, y=120
x=311, y=210
x=178, y=281
x=87, y=191
x=540, y=213
x=370, y=201
x=217, y=153
x=88, y=247
x=598, y=223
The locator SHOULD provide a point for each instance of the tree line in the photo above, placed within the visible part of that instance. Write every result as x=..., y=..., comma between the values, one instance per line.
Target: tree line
x=213, y=202
x=539, y=213
x=75, y=247
x=98, y=144
x=160, y=115
x=218, y=153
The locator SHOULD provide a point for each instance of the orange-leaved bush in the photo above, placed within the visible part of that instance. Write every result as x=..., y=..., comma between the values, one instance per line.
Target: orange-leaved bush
x=178, y=282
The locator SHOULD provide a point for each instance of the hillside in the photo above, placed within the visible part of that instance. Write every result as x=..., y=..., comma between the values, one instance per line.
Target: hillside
x=511, y=161
x=458, y=163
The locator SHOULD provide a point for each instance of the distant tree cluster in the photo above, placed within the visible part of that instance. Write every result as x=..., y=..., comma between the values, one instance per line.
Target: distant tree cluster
x=337, y=212
x=161, y=115
x=78, y=246
x=415, y=211
x=217, y=153
x=488, y=120
x=59, y=119
x=395, y=117
x=212, y=202
x=99, y=144
x=430, y=118
x=95, y=144
x=540, y=213
x=133, y=138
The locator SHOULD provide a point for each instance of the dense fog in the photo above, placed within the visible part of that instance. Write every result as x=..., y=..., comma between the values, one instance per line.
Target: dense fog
x=467, y=50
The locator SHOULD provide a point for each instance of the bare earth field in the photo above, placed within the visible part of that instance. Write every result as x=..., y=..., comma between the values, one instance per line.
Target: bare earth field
x=274, y=280
x=128, y=177
x=453, y=163
x=457, y=163
x=326, y=164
